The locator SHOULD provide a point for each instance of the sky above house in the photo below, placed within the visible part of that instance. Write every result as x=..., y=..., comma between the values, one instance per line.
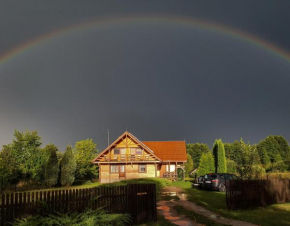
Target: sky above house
x=163, y=70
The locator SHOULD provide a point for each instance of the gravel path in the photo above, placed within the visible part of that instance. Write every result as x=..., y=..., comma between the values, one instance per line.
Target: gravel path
x=165, y=209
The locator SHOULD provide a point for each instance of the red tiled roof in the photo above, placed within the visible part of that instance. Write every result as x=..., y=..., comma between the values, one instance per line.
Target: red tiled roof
x=168, y=150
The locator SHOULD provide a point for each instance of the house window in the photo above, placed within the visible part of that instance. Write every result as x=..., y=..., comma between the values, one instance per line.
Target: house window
x=136, y=151
x=133, y=151
x=142, y=168
x=123, y=151
x=170, y=168
x=118, y=151
x=114, y=169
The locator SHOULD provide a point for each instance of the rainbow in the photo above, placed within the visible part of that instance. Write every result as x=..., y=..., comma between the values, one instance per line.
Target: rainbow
x=182, y=21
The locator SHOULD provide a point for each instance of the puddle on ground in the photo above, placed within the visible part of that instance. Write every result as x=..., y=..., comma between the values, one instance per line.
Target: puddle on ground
x=180, y=195
x=169, y=193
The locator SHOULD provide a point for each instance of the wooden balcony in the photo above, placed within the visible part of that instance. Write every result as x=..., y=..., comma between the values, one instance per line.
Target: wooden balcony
x=126, y=158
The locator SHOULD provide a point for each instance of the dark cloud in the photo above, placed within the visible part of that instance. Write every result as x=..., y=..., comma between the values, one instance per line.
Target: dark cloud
x=161, y=81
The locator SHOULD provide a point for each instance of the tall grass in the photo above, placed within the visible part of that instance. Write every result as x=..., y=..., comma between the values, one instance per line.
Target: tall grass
x=276, y=175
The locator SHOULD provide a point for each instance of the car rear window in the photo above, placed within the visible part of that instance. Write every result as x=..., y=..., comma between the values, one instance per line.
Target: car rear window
x=209, y=176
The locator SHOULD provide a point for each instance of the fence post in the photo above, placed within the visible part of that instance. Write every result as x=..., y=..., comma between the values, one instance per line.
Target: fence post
x=2, y=209
x=1, y=186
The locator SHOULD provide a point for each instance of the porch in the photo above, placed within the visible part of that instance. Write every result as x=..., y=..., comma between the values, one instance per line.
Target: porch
x=171, y=171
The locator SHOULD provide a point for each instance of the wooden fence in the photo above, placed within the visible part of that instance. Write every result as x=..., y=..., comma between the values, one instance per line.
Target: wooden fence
x=242, y=194
x=139, y=200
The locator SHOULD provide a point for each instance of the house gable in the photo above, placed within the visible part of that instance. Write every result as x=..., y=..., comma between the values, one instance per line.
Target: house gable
x=126, y=144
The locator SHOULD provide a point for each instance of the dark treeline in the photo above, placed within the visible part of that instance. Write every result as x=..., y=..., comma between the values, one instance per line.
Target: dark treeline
x=271, y=154
x=25, y=162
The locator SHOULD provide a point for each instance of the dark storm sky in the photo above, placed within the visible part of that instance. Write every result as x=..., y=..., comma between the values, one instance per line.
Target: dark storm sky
x=161, y=81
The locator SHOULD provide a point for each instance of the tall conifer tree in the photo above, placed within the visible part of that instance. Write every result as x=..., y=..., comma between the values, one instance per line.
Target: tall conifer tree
x=219, y=157
x=68, y=167
x=51, y=168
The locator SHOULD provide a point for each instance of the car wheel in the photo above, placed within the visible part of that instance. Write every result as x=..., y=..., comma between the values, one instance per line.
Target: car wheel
x=222, y=188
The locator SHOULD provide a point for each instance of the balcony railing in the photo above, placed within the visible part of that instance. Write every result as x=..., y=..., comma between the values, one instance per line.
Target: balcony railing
x=170, y=175
x=126, y=158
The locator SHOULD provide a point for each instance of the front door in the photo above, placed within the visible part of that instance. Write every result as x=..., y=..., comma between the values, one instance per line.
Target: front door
x=121, y=171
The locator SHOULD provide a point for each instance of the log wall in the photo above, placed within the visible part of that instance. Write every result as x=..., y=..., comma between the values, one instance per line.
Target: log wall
x=131, y=172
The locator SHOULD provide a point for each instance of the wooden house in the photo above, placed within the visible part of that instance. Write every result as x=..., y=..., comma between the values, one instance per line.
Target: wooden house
x=128, y=158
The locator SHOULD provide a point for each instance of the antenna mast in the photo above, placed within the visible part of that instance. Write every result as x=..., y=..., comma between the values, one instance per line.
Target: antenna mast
x=108, y=131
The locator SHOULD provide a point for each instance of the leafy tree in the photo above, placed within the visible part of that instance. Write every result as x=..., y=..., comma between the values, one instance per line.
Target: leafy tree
x=265, y=159
x=196, y=150
x=9, y=169
x=274, y=152
x=67, y=167
x=233, y=151
x=231, y=166
x=26, y=149
x=250, y=164
x=274, y=146
x=280, y=166
x=229, y=152
x=206, y=164
x=51, y=168
x=84, y=152
x=284, y=148
x=277, y=158
x=188, y=164
x=39, y=167
x=219, y=157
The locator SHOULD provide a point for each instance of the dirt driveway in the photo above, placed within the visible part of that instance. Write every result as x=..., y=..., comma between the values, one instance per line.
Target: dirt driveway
x=166, y=209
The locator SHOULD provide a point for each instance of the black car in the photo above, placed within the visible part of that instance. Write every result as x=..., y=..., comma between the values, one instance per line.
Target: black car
x=217, y=181
x=200, y=181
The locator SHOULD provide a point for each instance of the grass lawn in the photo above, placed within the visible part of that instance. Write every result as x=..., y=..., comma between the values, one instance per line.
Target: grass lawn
x=216, y=201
